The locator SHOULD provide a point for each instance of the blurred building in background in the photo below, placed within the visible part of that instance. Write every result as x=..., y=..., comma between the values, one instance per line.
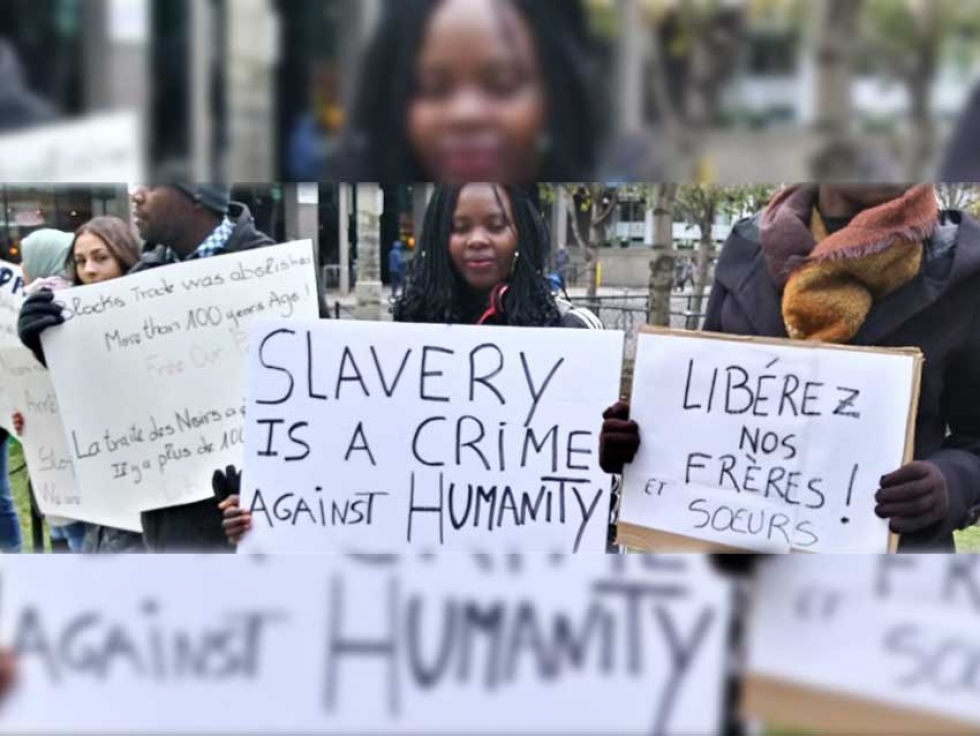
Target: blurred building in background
x=259, y=90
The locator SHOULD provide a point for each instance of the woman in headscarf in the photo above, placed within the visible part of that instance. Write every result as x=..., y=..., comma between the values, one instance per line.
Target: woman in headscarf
x=100, y=250
x=43, y=254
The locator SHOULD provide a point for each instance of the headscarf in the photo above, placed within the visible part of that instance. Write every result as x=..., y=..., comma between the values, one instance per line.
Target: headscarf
x=44, y=253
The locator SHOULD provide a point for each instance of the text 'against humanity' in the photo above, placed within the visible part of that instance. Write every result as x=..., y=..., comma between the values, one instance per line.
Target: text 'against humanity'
x=426, y=439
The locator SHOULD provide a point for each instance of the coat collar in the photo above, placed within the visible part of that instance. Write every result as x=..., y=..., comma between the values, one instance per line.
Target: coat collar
x=742, y=271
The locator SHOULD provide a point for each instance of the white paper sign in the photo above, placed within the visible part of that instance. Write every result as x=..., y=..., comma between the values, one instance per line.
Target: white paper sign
x=11, y=299
x=385, y=437
x=893, y=631
x=27, y=389
x=766, y=447
x=450, y=644
x=101, y=149
x=150, y=373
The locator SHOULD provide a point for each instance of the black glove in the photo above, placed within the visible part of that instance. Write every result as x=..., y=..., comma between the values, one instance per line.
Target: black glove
x=227, y=483
x=39, y=312
x=619, y=440
x=913, y=498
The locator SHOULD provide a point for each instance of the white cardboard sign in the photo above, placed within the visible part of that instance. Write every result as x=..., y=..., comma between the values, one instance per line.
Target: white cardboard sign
x=11, y=299
x=27, y=389
x=765, y=446
x=896, y=632
x=445, y=644
x=100, y=149
x=158, y=404
x=387, y=437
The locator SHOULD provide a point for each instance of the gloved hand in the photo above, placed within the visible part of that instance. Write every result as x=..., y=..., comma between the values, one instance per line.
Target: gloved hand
x=619, y=440
x=236, y=522
x=226, y=483
x=40, y=311
x=913, y=498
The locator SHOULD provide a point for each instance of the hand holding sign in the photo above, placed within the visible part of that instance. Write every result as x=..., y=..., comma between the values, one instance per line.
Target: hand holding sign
x=761, y=445
x=914, y=498
x=384, y=437
x=166, y=350
x=39, y=313
x=619, y=440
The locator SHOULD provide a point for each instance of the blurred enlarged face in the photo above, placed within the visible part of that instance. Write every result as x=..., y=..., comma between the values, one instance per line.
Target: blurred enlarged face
x=483, y=241
x=160, y=213
x=94, y=261
x=478, y=108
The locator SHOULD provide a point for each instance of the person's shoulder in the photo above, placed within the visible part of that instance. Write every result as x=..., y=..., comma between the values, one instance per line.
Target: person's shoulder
x=575, y=317
x=154, y=257
x=743, y=242
x=245, y=236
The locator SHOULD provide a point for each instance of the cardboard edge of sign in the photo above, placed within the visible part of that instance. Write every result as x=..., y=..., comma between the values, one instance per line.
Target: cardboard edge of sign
x=783, y=704
x=644, y=539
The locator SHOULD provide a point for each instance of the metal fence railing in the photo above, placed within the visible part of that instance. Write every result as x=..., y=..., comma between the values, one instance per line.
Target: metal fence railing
x=629, y=312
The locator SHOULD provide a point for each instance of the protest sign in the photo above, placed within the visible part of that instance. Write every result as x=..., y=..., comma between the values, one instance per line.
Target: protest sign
x=11, y=299
x=763, y=445
x=27, y=389
x=866, y=644
x=386, y=437
x=150, y=373
x=100, y=149
x=441, y=644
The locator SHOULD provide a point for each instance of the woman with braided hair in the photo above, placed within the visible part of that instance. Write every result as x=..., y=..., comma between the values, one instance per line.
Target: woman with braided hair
x=481, y=261
x=474, y=90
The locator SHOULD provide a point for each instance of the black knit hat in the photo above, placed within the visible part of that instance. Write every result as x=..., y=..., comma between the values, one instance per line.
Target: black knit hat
x=213, y=197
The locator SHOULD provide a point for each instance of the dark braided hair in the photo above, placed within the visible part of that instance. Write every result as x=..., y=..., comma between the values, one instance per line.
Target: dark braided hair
x=376, y=144
x=436, y=293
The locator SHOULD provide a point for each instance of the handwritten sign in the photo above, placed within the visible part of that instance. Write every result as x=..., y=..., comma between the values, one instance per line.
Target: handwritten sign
x=159, y=402
x=385, y=437
x=447, y=644
x=764, y=445
x=866, y=644
x=27, y=389
x=11, y=299
x=101, y=149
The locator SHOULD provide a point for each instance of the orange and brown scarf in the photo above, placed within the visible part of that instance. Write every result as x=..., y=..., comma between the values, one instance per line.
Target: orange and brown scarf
x=831, y=281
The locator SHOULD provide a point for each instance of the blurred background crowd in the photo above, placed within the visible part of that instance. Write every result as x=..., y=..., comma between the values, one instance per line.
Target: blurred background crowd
x=730, y=91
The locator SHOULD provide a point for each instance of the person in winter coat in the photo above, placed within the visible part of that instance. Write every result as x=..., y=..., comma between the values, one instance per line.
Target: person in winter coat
x=44, y=256
x=102, y=249
x=873, y=266
x=179, y=222
x=481, y=261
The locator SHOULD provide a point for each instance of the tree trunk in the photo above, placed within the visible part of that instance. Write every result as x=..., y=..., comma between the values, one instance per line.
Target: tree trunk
x=662, y=258
x=919, y=84
x=369, y=291
x=705, y=250
x=837, y=29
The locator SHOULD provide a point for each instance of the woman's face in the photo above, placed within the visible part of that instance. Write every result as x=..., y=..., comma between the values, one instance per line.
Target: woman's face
x=479, y=108
x=94, y=261
x=483, y=243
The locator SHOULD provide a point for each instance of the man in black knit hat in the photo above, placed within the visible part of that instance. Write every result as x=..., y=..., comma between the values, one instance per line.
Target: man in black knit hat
x=179, y=222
